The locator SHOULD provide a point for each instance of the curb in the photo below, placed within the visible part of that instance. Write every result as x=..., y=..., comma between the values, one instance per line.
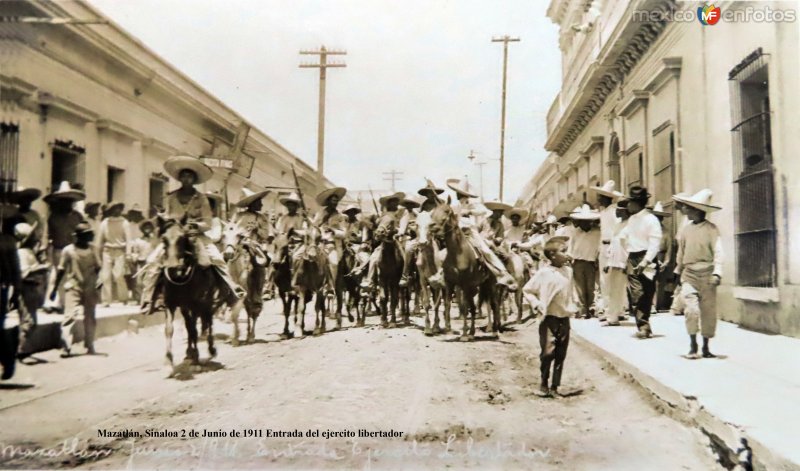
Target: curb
x=733, y=445
x=47, y=335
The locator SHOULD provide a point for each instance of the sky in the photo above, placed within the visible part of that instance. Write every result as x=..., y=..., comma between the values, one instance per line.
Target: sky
x=422, y=86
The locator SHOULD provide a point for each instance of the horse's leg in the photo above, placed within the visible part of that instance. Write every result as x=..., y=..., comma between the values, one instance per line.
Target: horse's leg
x=444, y=295
x=209, y=320
x=169, y=329
x=192, y=353
x=384, y=305
x=473, y=314
x=235, y=310
x=286, y=301
x=393, y=295
x=299, y=314
x=487, y=297
x=463, y=308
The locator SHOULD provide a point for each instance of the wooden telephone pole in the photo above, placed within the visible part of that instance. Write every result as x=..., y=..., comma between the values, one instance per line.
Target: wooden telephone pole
x=393, y=176
x=505, y=40
x=322, y=66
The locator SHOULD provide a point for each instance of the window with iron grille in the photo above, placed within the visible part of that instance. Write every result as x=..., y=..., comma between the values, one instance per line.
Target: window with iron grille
x=754, y=193
x=9, y=156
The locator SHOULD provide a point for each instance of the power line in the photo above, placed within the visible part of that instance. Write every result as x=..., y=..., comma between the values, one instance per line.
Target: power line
x=505, y=40
x=393, y=176
x=323, y=65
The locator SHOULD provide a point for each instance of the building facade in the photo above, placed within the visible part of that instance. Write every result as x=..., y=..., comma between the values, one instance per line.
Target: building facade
x=90, y=104
x=652, y=96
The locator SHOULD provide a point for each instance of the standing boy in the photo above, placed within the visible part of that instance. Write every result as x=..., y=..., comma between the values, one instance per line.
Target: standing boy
x=114, y=250
x=80, y=265
x=584, y=250
x=699, y=265
x=550, y=291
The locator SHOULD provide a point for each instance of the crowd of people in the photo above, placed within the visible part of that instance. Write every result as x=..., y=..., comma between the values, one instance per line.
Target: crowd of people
x=601, y=261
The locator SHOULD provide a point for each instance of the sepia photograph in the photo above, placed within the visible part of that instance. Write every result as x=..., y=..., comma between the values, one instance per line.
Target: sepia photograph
x=399, y=234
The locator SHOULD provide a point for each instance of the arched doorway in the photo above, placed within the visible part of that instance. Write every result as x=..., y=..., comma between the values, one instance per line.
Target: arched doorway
x=613, y=161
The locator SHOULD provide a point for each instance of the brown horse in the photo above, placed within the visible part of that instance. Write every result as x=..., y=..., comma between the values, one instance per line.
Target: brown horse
x=186, y=286
x=309, y=280
x=390, y=270
x=247, y=266
x=463, y=270
x=283, y=282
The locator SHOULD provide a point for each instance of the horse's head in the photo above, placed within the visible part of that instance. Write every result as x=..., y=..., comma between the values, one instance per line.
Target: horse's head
x=443, y=219
x=232, y=236
x=177, y=245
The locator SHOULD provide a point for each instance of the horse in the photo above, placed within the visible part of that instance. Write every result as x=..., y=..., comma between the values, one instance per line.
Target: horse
x=247, y=265
x=390, y=270
x=308, y=281
x=283, y=282
x=186, y=286
x=351, y=283
x=515, y=264
x=463, y=270
x=427, y=263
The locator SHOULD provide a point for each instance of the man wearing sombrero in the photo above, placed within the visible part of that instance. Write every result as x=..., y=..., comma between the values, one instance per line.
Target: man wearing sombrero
x=642, y=240
x=423, y=220
x=251, y=218
x=387, y=225
x=517, y=236
x=188, y=202
x=24, y=198
x=492, y=228
x=699, y=267
x=467, y=212
x=352, y=226
x=113, y=245
x=585, y=249
x=290, y=222
x=61, y=229
x=607, y=197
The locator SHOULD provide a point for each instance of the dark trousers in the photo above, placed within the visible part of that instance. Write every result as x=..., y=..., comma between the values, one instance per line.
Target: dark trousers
x=641, y=290
x=554, y=340
x=585, y=274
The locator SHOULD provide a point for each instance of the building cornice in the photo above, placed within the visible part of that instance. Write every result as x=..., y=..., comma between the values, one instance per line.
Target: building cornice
x=670, y=69
x=620, y=54
x=636, y=100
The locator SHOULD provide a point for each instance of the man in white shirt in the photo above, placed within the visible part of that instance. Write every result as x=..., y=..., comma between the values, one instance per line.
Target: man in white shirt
x=642, y=237
x=584, y=249
x=606, y=200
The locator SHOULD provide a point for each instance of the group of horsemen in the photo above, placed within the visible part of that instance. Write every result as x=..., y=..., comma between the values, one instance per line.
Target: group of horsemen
x=493, y=230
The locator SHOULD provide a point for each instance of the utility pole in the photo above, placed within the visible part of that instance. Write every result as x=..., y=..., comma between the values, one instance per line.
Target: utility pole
x=322, y=66
x=480, y=165
x=392, y=175
x=505, y=40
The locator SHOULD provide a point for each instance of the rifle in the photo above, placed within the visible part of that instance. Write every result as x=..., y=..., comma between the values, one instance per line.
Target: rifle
x=374, y=204
x=299, y=191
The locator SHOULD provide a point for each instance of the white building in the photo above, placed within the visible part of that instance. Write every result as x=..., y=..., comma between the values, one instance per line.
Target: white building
x=680, y=106
x=92, y=105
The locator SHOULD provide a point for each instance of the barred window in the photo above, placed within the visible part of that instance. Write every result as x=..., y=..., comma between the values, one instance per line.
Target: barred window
x=663, y=161
x=9, y=156
x=754, y=193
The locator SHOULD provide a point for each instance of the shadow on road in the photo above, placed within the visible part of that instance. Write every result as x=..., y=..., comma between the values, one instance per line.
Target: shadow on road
x=186, y=371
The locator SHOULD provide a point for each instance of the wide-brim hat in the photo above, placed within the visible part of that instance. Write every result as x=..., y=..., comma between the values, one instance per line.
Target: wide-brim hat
x=175, y=164
x=700, y=200
x=658, y=210
x=521, y=212
x=325, y=195
x=291, y=197
x=65, y=192
x=585, y=213
x=213, y=195
x=430, y=190
x=83, y=228
x=413, y=201
x=136, y=209
x=115, y=204
x=398, y=195
x=26, y=194
x=557, y=239
x=460, y=187
x=607, y=189
x=638, y=193
x=497, y=206
x=351, y=208
x=147, y=222
x=250, y=196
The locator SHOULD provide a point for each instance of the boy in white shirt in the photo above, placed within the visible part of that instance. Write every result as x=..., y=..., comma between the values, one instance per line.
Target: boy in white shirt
x=550, y=292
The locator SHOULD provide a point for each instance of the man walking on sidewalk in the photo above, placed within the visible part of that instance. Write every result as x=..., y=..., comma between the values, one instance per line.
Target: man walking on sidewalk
x=584, y=250
x=606, y=199
x=114, y=249
x=642, y=237
x=616, y=262
x=699, y=266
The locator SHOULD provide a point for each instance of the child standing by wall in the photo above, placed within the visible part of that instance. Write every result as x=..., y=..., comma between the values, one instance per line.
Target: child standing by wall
x=80, y=265
x=699, y=266
x=550, y=291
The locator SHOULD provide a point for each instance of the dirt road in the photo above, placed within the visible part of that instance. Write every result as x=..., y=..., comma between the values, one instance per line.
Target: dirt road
x=448, y=404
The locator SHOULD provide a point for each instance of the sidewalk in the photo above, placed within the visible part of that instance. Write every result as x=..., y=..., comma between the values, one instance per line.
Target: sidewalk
x=751, y=392
x=110, y=321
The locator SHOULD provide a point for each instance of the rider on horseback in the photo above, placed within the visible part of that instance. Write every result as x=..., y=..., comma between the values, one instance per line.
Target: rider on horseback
x=422, y=221
x=253, y=222
x=387, y=228
x=189, y=204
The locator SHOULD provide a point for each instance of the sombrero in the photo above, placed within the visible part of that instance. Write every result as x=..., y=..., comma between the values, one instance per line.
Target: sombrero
x=557, y=239
x=249, y=196
x=658, y=210
x=607, y=189
x=551, y=220
x=147, y=222
x=213, y=195
x=26, y=194
x=324, y=195
x=460, y=187
x=175, y=164
x=136, y=209
x=430, y=189
x=83, y=228
x=521, y=212
x=585, y=213
x=65, y=192
x=497, y=205
x=700, y=200
x=413, y=201
x=351, y=208
x=291, y=197
x=399, y=195
x=115, y=204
